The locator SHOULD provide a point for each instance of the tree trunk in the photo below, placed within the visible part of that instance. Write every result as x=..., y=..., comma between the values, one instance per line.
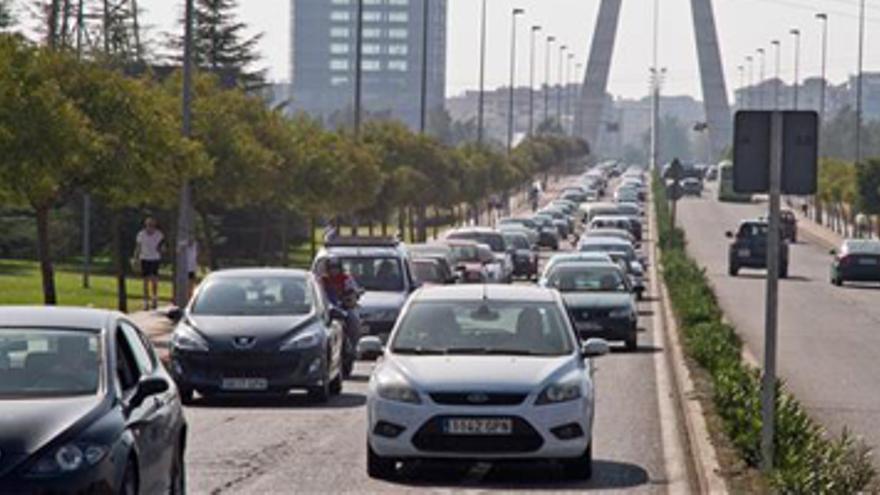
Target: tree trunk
x=119, y=262
x=313, y=244
x=384, y=227
x=285, y=240
x=412, y=226
x=422, y=222
x=264, y=238
x=207, y=247
x=47, y=271
x=401, y=221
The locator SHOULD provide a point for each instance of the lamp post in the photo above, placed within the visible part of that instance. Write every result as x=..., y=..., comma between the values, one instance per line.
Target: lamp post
x=482, y=97
x=510, y=120
x=562, y=50
x=824, y=18
x=423, y=117
x=550, y=41
x=797, y=64
x=184, y=214
x=578, y=71
x=860, y=76
x=535, y=30
x=567, y=89
x=777, y=81
x=742, y=85
x=656, y=83
x=761, y=53
x=751, y=61
x=358, y=70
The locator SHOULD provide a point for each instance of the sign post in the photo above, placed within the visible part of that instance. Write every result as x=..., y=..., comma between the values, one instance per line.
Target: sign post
x=774, y=153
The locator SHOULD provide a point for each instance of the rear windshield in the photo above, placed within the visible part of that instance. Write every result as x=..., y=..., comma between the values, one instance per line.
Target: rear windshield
x=495, y=241
x=41, y=363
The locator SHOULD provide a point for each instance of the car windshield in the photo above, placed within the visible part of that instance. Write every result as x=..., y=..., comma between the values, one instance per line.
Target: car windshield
x=494, y=240
x=586, y=278
x=43, y=363
x=753, y=230
x=483, y=328
x=375, y=273
x=517, y=241
x=469, y=254
x=427, y=272
x=254, y=296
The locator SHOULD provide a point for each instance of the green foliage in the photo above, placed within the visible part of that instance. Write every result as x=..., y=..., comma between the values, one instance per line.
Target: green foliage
x=868, y=186
x=806, y=459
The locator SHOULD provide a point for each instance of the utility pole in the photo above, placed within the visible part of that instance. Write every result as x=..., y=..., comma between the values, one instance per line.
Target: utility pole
x=824, y=18
x=184, y=216
x=358, y=73
x=742, y=86
x=423, y=109
x=482, y=97
x=751, y=62
x=761, y=53
x=797, y=62
x=535, y=30
x=547, y=58
x=777, y=78
x=562, y=50
x=859, y=86
x=568, y=112
x=510, y=117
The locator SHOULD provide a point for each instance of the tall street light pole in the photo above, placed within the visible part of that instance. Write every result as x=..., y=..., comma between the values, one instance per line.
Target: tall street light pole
x=860, y=76
x=824, y=18
x=576, y=90
x=777, y=81
x=562, y=50
x=761, y=53
x=547, y=56
x=742, y=86
x=797, y=64
x=358, y=70
x=568, y=68
x=535, y=30
x=184, y=214
x=751, y=61
x=510, y=118
x=482, y=97
x=423, y=107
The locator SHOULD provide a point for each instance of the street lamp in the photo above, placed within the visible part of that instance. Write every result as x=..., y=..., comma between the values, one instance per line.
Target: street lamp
x=514, y=14
x=761, y=53
x=550, y=41
x=562, y=50
x=860, y=76
x=358, y=73
x=482, y=97
x=777, y=79
x=184, y=214
x=423, y=117
x=568, y=88
x=824, y=18
x=578, y=71
x=742, y=86
x=656, y=83
x=751, y=62
x=535, y=30
x=797, y=63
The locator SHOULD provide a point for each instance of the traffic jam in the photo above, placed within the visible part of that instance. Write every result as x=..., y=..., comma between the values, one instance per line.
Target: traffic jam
x=480, y=345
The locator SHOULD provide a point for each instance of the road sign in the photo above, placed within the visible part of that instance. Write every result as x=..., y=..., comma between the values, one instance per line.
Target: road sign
x=752, y=149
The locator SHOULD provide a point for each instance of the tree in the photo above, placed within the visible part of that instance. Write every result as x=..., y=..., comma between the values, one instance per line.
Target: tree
x=868, y=187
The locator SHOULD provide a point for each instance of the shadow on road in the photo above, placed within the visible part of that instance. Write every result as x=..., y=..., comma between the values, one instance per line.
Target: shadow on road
x=861, y=286
x=342, y=401
x=548, y=476
x=642, y=349
x=763, y=276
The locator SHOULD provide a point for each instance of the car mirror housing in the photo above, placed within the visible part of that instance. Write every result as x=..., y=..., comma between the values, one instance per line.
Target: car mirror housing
x=147, y=387
x=595, y=348
x=370, y=347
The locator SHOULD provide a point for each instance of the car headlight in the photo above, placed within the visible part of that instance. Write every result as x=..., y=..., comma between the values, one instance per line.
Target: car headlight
x=620, y=313
x=68, y=458
x=306, y=339
x=186, y=338
x=560, y=392
x=393, y=386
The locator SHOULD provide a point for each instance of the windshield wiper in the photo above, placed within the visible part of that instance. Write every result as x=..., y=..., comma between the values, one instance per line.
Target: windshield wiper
x=419, y=351
x=489, y=351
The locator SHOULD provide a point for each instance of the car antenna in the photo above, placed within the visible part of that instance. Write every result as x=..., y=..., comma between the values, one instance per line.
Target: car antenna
x=485, y=293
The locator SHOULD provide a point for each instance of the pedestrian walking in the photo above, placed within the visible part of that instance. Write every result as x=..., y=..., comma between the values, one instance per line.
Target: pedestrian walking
x=192, y=265
x=149, y=245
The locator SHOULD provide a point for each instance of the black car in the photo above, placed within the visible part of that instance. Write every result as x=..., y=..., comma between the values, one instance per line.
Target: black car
x=85, y=406
x=857, y=260
x=252, y=331
x=749, y=248
x=525, y=259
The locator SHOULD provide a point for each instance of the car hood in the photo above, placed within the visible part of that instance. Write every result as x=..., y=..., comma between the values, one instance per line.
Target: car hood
x=375, y=300
x=269, y=331
x=28, y=425
x=482, y=373
x=596, y=299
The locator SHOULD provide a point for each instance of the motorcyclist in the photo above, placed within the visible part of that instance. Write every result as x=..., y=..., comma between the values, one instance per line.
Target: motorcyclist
x=343, y=292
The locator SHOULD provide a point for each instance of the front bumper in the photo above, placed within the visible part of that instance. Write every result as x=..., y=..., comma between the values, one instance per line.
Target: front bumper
x=98, y=480
x=283, y=371
x=532, y=437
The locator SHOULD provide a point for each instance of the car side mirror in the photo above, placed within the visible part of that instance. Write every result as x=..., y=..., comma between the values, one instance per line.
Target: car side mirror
x=595, y=348
x=147, y=387
x=370, y=347
x=336, y=314
x=728, y=234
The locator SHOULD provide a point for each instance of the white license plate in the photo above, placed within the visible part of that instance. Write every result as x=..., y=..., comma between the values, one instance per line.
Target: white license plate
x=244, y=384
x=478, y=426
x=744, y=253
x=589, y=326
x=868, y=261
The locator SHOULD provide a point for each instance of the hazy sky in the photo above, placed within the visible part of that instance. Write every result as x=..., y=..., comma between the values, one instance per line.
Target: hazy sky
x=743, y=26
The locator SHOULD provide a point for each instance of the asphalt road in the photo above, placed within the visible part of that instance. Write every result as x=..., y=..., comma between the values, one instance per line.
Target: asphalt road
x=828, y=336
x=286, y=445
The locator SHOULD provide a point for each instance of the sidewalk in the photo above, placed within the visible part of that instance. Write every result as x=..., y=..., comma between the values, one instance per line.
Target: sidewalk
x=826, y=237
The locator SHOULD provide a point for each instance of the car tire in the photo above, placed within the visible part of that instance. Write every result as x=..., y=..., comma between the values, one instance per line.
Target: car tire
x=178, y=472
x=379, y=467
x=130, y=484
x=186, y=394
x=732, y=269
x=632, y=342
x=837, y=281
x=579, y=468
x=336, y=385
x=321, y=394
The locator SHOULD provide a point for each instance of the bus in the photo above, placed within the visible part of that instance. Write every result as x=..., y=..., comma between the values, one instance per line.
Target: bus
x=725, y=185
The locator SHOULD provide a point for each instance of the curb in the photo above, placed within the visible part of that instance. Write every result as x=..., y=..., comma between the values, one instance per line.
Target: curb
x=704, y=458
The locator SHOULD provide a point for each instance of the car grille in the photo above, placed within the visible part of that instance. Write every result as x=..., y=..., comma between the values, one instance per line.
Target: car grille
x=477, y=398
x=524, y=438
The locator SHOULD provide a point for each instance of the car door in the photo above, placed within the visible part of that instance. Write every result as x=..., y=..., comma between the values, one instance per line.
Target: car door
x=147, y=422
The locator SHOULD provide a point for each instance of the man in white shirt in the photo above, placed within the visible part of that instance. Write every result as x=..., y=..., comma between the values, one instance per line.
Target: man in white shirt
x=149, y=245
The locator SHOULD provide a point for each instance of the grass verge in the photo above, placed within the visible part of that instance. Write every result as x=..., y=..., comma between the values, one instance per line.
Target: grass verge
x=807, y=458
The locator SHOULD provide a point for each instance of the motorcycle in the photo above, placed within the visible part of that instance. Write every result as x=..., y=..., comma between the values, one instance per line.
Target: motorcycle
x=352, y=331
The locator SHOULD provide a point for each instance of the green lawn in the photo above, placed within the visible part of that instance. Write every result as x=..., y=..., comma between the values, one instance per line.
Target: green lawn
x=20, y=284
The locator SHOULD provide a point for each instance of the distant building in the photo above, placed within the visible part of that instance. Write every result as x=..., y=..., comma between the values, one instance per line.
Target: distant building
x=323, y=58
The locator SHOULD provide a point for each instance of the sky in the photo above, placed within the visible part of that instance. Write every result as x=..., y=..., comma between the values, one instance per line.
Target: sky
x=743, y=27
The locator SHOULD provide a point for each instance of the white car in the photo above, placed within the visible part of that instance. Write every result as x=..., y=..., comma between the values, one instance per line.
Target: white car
x=484, y=373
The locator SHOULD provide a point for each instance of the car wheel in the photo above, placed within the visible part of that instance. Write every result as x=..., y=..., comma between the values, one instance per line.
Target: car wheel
x=178, y=473
x=632, y=342
x=837, y=281
x=379, y=467
x=129, y=484
x=336, y=385
x=579, y=468
x=732, y=269
x=321, y=393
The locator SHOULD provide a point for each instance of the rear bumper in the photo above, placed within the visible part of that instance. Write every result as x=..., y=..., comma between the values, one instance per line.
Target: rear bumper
x=606, y=328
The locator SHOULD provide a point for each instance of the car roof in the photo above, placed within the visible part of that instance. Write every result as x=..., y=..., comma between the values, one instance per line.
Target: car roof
x=585, y=263
x=56, y=316
x=611, y=218
x=473, y=230
x=490, y=292
x=365, y=251
x=259, y=272
x=605, y=240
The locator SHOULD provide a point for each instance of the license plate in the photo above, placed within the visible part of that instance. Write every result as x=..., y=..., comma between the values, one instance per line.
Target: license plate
x=744, y=253
x=245, y=384
x=478, y=426
x=589, y=326
x=868, y=261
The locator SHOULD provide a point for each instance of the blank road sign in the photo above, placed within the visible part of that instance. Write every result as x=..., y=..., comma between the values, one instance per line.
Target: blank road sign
x=751, y=152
